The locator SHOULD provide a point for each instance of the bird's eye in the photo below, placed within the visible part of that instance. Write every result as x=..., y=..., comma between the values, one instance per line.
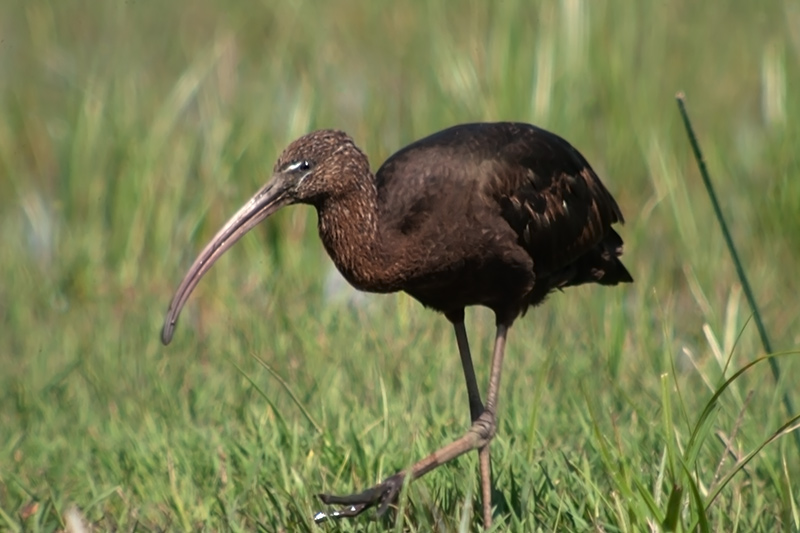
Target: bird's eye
x=299, y=166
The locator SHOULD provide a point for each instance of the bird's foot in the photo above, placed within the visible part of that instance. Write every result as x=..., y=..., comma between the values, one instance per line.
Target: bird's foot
x=384, y=494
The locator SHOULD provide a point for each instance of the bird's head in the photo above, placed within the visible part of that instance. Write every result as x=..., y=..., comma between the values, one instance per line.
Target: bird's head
x=315, y=166
x=312, y=168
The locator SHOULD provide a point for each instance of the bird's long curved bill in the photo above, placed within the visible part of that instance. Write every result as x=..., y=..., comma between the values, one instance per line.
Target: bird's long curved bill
x=266, y=201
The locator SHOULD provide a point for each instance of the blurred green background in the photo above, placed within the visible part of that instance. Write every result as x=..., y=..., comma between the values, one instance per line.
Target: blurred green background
x=130, y=131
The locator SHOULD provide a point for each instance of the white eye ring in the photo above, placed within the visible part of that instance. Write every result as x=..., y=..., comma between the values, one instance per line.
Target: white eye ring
x=299, y=165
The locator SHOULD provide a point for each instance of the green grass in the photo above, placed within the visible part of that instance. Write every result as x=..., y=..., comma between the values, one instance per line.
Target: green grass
x=131, y=131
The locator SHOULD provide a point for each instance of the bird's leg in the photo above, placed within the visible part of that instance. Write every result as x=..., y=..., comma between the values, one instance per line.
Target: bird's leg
x=475, y=409
x=491, y=408
x=477, y=437
x=473, y=394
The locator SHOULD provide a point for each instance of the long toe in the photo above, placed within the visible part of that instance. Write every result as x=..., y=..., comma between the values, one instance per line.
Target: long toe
x=383, y=494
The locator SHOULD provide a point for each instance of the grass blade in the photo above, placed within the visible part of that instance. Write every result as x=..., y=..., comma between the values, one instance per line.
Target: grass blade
x=291, y=394
x=748, y=291
x=703, y=426
x=790, y=426
x=673, y=509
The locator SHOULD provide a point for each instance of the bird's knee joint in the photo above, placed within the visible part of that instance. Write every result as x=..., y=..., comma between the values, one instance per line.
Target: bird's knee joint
x=484, y=427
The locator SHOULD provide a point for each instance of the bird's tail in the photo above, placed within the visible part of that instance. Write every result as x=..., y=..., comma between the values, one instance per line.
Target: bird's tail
x=600, y=265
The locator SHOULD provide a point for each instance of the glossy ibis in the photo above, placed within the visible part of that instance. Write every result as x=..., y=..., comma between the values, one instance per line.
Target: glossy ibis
x=497, y=215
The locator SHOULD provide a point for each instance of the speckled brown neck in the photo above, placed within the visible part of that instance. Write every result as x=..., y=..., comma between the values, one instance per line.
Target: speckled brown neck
x=349, y=229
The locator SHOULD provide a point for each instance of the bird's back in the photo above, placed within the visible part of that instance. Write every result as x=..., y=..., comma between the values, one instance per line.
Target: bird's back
x=499, y=212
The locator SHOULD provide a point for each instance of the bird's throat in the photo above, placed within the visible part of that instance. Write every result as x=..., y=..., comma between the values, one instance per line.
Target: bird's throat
x=349, y=230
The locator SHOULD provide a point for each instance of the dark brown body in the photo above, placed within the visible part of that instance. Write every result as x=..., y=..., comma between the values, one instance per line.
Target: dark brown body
x=496, y=215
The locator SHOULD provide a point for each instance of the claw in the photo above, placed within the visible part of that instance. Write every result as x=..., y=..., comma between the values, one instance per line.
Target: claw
x=383, y=494
x=347, y=512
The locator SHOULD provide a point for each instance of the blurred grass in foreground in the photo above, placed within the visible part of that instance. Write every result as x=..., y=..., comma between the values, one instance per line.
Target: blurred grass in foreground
x=131, y=131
